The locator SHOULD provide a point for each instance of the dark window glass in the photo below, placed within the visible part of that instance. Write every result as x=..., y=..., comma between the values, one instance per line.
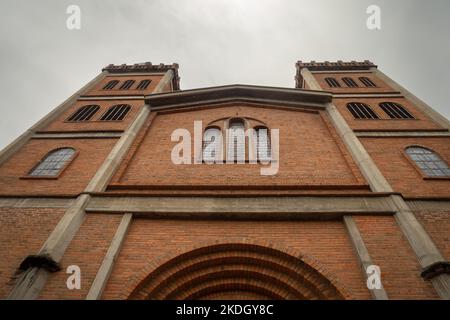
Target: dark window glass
x=110, y=85
x=116, y=113
x=429, y=162
x=367, y=82
x=361, y=111
x=395, y=110
x=127, y=85
x=53, y=163
x=85, y=113
x=332, y=82
x=143, y=84
x=350, y=82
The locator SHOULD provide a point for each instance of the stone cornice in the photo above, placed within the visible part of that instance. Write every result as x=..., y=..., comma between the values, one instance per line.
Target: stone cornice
x=259, y=94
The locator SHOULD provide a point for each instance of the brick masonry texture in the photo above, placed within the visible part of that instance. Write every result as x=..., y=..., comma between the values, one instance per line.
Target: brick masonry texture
x=309, y=152
x=313, y=161
x=72, y=181
x=437, y=224
x=23, y=231
x=87, y=251
x=150, y=243
x=389, y=249
x=402, y=174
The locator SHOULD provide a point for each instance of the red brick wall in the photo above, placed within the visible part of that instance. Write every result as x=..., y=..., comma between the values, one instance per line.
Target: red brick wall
x=381, y=85
x=310, y=152
x=91, y=154
x=87, y=250
x=97, y=90
x=23, y=231
x=152, y=242
x=420, y=122
x=389, y=249
x=94, y=124
x=437, y=225
x=401, y=173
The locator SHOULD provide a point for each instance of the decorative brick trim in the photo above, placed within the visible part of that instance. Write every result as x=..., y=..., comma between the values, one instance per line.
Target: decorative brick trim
x=212, y=267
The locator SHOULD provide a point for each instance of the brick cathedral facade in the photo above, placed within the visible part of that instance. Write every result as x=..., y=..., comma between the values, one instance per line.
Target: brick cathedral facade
x=362, y=181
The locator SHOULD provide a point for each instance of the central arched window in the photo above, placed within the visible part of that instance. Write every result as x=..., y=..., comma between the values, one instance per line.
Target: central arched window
x=236, y=141
x=212, y=145
x=361, y=111
x=52, y=164
x=262, y=143
x=428, y=161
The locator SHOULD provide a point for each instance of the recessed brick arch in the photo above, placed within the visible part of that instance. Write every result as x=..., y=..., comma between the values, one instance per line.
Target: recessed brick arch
x=238, y=271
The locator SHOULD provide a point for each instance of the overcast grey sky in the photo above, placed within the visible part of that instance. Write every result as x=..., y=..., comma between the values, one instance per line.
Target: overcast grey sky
x=215, y=42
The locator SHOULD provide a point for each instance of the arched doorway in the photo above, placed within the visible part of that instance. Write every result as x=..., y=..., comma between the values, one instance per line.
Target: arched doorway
x=236, y=271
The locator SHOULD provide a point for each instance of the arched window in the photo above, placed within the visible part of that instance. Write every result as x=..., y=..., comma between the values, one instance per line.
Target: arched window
x=261, y=143
x=116, y=113
x=395, y=110
x=428, y=161
x=52, y=164
x=110, y=85
x=367, y=82
x=332, y=82
x=143, y=84
x=127, y=85
x=361, y=111
x=350, y=82
x=212, y=145
x=236, y=141
x=85, y=113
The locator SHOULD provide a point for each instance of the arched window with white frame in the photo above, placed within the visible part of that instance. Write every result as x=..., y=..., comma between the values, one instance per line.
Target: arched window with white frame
x=53, y=163
x=429, y=162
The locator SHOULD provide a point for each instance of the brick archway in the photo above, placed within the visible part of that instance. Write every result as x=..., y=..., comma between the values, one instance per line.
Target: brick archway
x=236, y=271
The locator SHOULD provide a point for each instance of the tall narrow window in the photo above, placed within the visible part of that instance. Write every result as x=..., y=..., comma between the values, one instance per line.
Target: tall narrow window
x=212, y=145
x=395, y=110
x=350, y=82
x=428, y=161
x=143, y=85
x=85, y=113
x=236, y=141
x=52, y=164
x=332, y=82
x=110, y=85
x=116, y=113
x=261, y=142
x=361, y=111
x=127, y=85
x=367, y=82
